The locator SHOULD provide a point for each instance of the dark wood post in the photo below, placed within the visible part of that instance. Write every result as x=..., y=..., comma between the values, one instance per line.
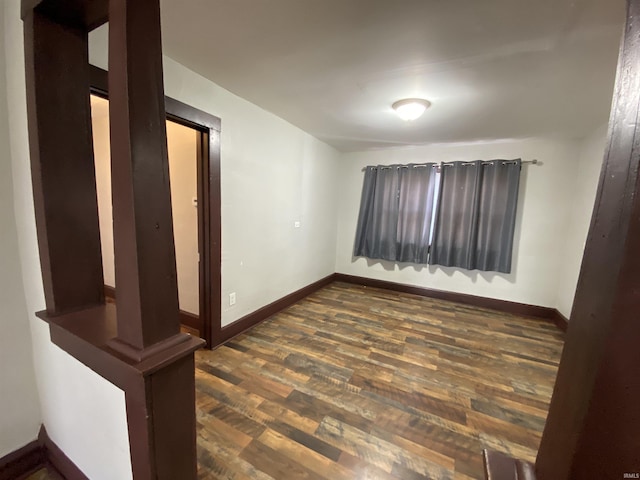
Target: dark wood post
x=145, y=264
x=593, y=426
x=138, y=345
x=63, y=175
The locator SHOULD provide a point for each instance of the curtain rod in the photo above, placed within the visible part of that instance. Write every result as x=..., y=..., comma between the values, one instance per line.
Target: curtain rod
x=448, y=164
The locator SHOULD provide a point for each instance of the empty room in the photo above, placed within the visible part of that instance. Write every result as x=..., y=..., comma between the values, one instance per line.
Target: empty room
x=304, y=239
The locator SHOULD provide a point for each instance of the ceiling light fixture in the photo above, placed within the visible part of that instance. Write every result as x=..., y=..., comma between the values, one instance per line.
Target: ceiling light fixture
x=410, y=108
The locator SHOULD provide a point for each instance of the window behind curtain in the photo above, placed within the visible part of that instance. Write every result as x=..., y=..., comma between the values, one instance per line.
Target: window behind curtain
x=462, y=217
x=396, y=211
x=476, y=215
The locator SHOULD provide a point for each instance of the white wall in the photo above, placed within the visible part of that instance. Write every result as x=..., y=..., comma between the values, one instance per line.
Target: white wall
x=273, y=174
x=21, y=417
x=83, y=413
x=181, y=145
x=543, y=212
x=582, y=196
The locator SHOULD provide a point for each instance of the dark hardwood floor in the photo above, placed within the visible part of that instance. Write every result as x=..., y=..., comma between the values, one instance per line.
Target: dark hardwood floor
x=361, y=383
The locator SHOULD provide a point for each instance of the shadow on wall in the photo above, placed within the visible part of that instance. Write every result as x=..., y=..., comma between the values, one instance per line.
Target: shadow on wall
x=472, y=275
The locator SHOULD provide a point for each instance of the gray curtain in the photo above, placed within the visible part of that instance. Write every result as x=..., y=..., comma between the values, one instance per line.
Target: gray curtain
x=417, y=186
x=476, y=215
x=395, y=213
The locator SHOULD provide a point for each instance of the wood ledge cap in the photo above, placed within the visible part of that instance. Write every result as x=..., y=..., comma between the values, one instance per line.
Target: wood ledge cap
x=157, y=349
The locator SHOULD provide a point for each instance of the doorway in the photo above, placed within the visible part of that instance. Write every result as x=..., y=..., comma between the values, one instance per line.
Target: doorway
x=193, y=141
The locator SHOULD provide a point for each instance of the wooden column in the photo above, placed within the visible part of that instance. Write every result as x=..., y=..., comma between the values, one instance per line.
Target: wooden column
x=593, y=426
x=62, y=170
x=162, y=421
x=136, y=345
x=145, y=264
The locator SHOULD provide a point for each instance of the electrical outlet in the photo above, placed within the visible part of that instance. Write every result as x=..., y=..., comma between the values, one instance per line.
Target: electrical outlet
x=232, y=298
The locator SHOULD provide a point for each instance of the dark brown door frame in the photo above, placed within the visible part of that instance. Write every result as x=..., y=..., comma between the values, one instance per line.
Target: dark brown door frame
x=209, y=201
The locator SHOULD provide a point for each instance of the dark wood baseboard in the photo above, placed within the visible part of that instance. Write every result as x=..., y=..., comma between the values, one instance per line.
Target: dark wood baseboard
x=560, y=320
x=41, y=453
x=57, y=459
x=229, y=331
x=483, y=302
x=248, y=321
x=22, y=462
x=188, y=319
x=191, y=320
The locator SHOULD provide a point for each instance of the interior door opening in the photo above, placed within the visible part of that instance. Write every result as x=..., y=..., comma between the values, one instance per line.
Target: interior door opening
x=184, y=153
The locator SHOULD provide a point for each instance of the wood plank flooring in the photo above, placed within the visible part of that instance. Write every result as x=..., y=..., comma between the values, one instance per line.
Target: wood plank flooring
x=362, y=383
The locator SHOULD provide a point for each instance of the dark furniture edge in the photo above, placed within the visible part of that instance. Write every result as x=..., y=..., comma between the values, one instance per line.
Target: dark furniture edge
x=499, y=466
x=253, y=318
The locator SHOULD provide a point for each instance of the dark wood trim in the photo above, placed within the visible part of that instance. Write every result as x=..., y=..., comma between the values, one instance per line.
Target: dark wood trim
x=209, y=212
x=191, y=320
x=252, y=319
x=41, y=453
x=57, y=459
x=552, y=314
x=137, y=347
x=22, y=462
x=560, y=320
x=81, y=15
x=189, y=116
x=99, y=81
x=211, y=259
x=86, y=335
x=62, y=179
x=188, y=319
x=143, y=240
x=482, y=302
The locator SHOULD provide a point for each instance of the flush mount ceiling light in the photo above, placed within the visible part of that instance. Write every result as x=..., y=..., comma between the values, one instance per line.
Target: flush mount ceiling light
x=410, y=108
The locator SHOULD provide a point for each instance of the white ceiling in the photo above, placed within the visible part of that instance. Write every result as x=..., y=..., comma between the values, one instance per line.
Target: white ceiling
x=492, y=69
